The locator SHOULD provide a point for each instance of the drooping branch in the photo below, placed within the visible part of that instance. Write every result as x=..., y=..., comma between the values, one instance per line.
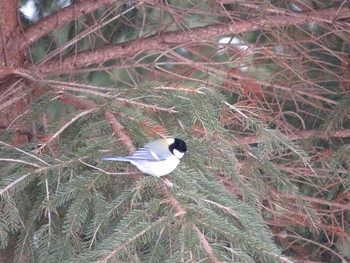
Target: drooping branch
x=342, y=133
x=61, y=18
x=206, y=246
x=195, y=35
x=82, y=103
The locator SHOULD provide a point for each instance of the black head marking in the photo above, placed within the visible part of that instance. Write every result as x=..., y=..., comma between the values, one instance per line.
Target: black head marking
x=179, y=145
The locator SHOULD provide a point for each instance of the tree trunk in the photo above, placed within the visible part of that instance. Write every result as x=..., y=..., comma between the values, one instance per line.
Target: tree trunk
x=14, y=91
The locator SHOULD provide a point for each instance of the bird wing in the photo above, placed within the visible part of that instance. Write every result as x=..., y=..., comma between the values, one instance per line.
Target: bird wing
x=160, y=148
x=114, y=158
x=145, y=153
x=139, y=154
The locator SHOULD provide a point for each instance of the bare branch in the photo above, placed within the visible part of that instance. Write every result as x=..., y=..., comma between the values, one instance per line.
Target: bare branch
x=53, y=137
x=205, y=244
x=83, y=103
x=200, y=34
x=300, y=135
x=61, y=18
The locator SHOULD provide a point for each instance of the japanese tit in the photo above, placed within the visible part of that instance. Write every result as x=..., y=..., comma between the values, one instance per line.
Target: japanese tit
x=156, y=158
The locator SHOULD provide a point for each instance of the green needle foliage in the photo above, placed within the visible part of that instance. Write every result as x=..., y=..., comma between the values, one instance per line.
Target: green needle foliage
x=257, y=89
x=80, y=213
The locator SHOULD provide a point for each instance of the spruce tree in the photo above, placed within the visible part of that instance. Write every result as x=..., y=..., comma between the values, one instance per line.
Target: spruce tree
x=258, y=90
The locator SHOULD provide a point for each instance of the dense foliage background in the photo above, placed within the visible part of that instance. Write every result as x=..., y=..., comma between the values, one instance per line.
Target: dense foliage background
x=258, y=89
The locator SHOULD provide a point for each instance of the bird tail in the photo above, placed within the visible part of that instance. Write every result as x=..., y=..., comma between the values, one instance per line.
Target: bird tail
x=114, y=158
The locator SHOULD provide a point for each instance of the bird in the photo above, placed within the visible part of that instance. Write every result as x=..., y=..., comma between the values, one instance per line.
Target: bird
x=156, y=158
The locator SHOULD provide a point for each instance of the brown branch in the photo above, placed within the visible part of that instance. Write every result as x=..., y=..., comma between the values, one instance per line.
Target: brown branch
x=343, y=133
x=21, y=72
x=61, y=18
x=164, y=40
x=180, y=212
x=205, y=244
x=119, y=130
x=310, y=199
x=71, y=87
x=83, y=103
x=85, y=33
x=63, y=128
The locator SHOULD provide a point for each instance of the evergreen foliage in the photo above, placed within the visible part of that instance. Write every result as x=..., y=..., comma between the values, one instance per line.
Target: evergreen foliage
x=265, y=116
x=86, y=215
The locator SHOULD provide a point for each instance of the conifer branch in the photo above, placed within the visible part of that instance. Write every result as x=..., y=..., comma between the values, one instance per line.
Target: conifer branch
x=60, y=18
x=8, y=99
x=119, y=130
x=10, y=185
x=298, y=237
x=24, y=152
x=37, y=171
x=276, y=136
x=315, y=200
x=179, y=88
x=300, y=135
x=112, y=97
x=205, y=244
x=134, y=238
x=81, y=102
x=64, y=127
x=180, y=212
x=85, y=33
x=83, y=86
x=168, y=39
x=19, y=161
x=86, y=89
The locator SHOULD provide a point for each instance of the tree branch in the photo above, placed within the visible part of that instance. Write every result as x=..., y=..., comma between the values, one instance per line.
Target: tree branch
x=83, y=103
x=206, y=245
x=195, y=35
x=61, y=18
x=343, y=133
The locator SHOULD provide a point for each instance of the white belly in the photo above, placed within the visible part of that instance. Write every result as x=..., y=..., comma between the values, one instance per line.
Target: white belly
x=157, y=168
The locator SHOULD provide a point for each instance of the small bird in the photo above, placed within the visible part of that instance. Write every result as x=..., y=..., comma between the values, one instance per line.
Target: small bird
x=156, y=158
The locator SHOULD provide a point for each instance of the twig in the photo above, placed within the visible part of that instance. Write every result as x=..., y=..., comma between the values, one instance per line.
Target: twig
x=85, y=33
x=205, y=245
x=298, y=237
x=119, y=130
x=300, y=135
x=312, y=200
x=53, y=137
x=24, y=152
x=61, y=18
x=155, y=42
x=83, y=103
x=180, y=212
x=19, y=161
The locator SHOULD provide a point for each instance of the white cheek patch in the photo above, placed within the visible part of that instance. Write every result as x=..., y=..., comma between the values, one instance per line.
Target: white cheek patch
x=178, y=154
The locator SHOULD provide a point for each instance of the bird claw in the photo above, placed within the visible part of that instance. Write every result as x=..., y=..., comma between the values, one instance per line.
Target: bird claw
x=167, y=183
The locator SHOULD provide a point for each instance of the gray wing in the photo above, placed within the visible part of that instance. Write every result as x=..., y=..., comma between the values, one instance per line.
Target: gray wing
x=145, y=153
x=114, y=158
x=160, y=149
